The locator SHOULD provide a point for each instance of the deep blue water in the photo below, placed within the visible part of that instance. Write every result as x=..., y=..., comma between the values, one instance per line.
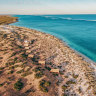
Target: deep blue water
x=78, y=31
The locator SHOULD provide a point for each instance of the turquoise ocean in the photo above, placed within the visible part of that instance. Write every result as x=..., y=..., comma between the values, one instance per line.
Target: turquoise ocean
x=78, y=31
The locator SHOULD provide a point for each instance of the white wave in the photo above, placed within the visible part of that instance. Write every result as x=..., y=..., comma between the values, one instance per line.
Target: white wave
x=47, y=16
x=91, y=20
x=63, y=18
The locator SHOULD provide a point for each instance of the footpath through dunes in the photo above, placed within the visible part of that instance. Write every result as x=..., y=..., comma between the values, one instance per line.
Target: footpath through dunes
x=5, y=19
x=38, y=64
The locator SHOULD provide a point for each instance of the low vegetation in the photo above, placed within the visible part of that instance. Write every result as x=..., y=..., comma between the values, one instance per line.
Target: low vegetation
x=11, y=72
x=39, y=75
x=64, y=87
x=1, y=68
x=26, y=74
x=20, y=71
x=18, y=85
x=1, y=85
x=7, y=19
x=44, y=85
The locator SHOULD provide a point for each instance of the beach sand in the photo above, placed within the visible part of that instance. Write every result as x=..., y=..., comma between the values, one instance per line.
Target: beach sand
x=77, y=72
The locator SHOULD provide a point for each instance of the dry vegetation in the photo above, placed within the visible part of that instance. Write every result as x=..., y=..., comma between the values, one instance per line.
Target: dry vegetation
x=21, y=75
x=7, y=19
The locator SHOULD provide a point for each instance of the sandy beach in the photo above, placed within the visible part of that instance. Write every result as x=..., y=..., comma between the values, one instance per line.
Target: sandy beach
x=77, y=72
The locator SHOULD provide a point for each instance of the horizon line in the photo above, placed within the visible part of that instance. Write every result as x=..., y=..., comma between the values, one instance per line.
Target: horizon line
x=54, y=14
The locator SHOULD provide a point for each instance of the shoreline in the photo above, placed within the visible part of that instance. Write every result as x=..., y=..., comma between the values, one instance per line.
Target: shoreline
x=57, y=54
x=74, y=67
x=87, y=59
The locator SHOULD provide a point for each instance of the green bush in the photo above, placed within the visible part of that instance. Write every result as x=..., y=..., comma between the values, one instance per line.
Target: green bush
x=70, y=82
x=37, y=69
x=15, y=59
x=5, y=35
x=0, y=72
x=47, y=83
x=1, y=85
x=75, y=76
x=16, y=66
x=64, y=87
x=44, y=89
x=20, y=71
x=1, y=68
x=13, y=54
x=18, y=85
x=24, y=55
x=39, y=75
x=48, y=68
x=26, y=74
x=11, y=67
x=43, y=85
x=11, y=72
x=55, y=74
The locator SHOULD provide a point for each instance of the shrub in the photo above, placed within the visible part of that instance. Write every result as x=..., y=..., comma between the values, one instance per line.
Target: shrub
x=24, y=55
x=39, y=75
x=37, y=69
x=13, y=54
x=10, y=63
x=55, y=74
x=16, y=66
x=19, y=46
x=5, y=35
x=12, y=67
x=20, y=71
x=75, y=76
x=47, y=83
x=48, y=68
x=15, y=59
x=44, y=89
x=18, y=85
x=43, y=85
x=26, y=74
x=70, y=82
x=0, y=72
x=64, y=87
x=1, y=68
x=11, y=72
x=1, y=85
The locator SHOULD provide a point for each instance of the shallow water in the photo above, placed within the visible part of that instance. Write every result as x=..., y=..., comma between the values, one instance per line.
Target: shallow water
x=78, y=31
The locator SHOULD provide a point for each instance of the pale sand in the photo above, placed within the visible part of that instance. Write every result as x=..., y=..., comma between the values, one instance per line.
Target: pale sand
x=59, y=54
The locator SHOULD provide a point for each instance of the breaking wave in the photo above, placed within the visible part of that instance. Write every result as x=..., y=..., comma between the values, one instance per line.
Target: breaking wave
x=70, y=19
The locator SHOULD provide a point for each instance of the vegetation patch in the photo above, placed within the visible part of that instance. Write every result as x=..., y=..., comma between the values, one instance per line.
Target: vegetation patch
x=64, y=87
x=24, y=55
x=75, y=76
x=11, y=67
x=11, y=72
x=1, y=85
x=18, y=85
x=44, y=85
x=1, y=68
x=26, y=74
x=0, y=72
x=70, y=82
x=20, y=71
x=48, y=68
x=37, y=69
x=5, y=19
